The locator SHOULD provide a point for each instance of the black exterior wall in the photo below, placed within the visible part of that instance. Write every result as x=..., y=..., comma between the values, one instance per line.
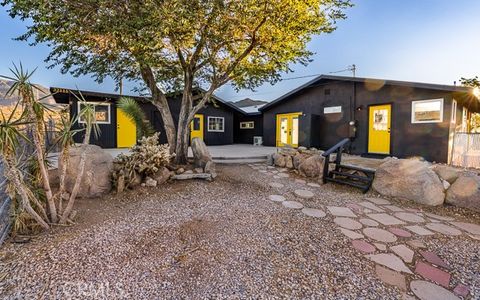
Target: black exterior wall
x=245, y=136
x=429, y=140
x=108, y=132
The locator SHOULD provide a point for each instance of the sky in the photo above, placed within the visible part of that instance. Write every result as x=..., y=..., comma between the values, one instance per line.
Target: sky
x=434, y=41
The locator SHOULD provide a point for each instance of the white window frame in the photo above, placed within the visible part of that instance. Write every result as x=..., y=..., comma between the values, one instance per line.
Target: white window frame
x=453, y=118
x=95, y=104
x=246, y=125
x=426, y=101
x=212, y=130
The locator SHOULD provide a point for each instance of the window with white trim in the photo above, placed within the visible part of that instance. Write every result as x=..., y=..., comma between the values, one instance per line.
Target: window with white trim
x=247, y=125
x=216, y=124
x=427, y=111
x=102, y=112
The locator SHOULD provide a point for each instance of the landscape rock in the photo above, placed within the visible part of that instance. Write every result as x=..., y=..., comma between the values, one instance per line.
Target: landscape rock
x=97, y=175
x=298, y=159
x=312, y=166
x=150, y=182
x=465, y=192
x=410, y=179
x=180, y=171
x=162, y=175
x=447, y=173
x=270, y=159
x=279, y=160
x=200, y=153
x=136, y=181
x=289, y=162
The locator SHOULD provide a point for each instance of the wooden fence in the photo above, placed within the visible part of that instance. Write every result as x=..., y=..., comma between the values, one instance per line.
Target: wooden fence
x=466, y=150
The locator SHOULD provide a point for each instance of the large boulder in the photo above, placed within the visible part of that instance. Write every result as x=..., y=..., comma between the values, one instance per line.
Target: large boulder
x=465, y=192
x=312, y=166
x=162, y=175
x=279, y=160
x=410, y=179
x=298, y=159
x=200, y=153
x=447, y=173
x=289, y=162
x=97, y=175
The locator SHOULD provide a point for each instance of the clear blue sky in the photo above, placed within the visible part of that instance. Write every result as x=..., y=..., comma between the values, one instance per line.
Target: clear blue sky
x=435, y=41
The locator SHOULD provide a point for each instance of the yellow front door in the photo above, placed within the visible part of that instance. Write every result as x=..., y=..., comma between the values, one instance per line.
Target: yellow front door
x=380, y=118
x=196, y=127
x=126, y=130
x=287, y=129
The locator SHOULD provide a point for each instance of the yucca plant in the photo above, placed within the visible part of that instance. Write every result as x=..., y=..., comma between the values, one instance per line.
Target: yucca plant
x=135, y=113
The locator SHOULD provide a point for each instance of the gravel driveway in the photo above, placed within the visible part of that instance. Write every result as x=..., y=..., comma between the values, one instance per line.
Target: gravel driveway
x=221, y=240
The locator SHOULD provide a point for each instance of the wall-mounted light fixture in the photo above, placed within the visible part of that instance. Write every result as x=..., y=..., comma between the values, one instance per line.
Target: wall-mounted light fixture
x=359, y=108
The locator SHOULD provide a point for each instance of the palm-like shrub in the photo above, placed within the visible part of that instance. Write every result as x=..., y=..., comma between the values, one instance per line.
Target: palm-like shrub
x=135, y=113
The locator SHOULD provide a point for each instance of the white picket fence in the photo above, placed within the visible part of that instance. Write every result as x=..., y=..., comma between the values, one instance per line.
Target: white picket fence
x=466, y=150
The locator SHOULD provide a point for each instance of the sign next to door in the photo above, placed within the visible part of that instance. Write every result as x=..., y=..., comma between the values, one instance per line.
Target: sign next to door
x=332, y=110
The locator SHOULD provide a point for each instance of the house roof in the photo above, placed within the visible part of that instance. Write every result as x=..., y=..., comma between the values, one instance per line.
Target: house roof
x=322, y=78
x=60, y=95
x=253, y=109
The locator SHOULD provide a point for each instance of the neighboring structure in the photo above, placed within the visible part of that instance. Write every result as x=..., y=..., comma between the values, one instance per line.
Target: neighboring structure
x=248, y=124
x=213, y=123
x=383, y=117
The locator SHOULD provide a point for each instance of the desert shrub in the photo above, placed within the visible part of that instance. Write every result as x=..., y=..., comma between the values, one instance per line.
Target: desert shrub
x=143, y=159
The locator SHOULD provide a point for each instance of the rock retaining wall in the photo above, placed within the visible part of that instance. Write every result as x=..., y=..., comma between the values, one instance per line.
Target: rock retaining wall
x=306, y=162
x=427, y=183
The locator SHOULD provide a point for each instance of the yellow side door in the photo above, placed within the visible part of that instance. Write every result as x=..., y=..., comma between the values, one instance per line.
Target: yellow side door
x=380, y=118
x=287, y=129
x=126, y=130
x=196, y=127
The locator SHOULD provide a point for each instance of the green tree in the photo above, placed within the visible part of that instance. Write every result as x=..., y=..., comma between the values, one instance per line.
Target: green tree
x=177, y=45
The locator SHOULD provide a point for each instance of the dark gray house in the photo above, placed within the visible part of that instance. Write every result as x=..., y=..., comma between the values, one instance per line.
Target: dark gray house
x=382, y=117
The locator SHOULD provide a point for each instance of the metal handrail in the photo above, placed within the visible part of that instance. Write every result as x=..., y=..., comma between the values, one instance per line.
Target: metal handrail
x=338, y=160
x=335, y=148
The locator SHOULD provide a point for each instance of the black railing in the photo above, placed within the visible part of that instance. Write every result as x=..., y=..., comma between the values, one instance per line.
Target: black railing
x=338, y=148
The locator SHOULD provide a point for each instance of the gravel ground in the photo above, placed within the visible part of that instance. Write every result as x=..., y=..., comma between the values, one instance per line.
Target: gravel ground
x=219, y=240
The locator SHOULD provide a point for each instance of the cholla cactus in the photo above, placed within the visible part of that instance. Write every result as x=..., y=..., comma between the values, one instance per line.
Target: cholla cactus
x=144, y=159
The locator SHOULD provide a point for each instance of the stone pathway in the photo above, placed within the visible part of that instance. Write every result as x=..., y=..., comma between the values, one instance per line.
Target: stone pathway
x=386, y=234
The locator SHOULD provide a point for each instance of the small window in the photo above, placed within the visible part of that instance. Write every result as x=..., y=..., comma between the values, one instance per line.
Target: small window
x=427, y=111
x=247, y=125
x=454, y=112
x=327, y=92
x=216, y=124
x=102, y=112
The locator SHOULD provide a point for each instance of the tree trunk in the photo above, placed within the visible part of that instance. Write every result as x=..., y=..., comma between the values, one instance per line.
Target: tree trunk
x=160, y=101
x=183, y=126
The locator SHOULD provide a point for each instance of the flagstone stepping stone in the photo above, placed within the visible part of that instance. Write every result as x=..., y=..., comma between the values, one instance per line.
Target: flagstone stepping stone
x=276, y=185
x=276, y=177
x=379, y=235
x=414, y=210
x=363, y=246
x=352, y=234
x=416, y=244
x=340, y=211
x=300, y=181
x=292, y=204
x=409, y=217
x=431, y=273
x=468, y=227
x=442, y=218
x=313, y=184
x=399, y=232
x=380, y=246
x=419, y=230
x=434, y=259
x=369, y=222
x=313, y=212
x=425, y=290
x=270, y=167
x=304, y=194
x=393, y=208
x=404, y=252
x=282, y=170
x=283, y=175
x=347, y=223
x=276, y=198
x=378, y=201
x=357, y=208
x=390, y=261
x=262, y=171
x=461, y=290
x=391, y=277
x=444, y=229
x=274, y=172
x=386, y=219
x=371, y=206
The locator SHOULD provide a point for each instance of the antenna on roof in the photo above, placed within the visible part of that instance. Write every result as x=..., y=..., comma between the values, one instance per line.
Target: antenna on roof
x=352, y=68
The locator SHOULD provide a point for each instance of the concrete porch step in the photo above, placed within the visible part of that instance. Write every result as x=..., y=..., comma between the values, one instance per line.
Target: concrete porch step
x=240, y=161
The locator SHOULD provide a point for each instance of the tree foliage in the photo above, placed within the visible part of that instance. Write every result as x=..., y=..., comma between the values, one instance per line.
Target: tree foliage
x=178, y=44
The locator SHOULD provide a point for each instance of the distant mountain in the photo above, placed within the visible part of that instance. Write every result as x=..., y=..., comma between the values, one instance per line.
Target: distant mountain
x=249, y=102
x=12, y=99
